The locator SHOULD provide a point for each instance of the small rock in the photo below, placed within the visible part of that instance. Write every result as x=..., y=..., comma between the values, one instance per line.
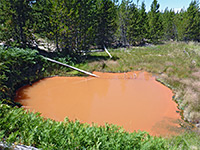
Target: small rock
x=4, y=146
x=193, y=61
x=198, y=125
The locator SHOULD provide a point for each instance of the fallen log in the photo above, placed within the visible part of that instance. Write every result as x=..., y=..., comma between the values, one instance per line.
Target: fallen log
x=107, y=51
x=57, y=62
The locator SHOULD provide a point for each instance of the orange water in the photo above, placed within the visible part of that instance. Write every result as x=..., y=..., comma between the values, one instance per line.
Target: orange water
x=134, y=100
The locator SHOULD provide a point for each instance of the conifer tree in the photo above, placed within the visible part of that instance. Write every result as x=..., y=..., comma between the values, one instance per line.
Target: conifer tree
x=155, y=24
x=85, y=24
x=55, y=19
x=133, y=25
x=69, y=32
x=193, y=24
x=181, y=23
x=17, y=25
x=123, y=21
x=169, y=28
x=41, y=11
x=105, y=22
x=142, y=24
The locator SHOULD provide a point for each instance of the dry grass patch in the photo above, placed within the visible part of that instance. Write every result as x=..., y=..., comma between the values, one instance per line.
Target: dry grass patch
x=112, y=63
x=196, y=74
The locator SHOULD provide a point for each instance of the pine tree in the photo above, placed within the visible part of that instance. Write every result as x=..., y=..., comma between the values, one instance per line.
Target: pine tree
x=105, y=22
x=55, y=19
x=133, y=25
x=155, y=24
x=17, y=22
x=142, y=24
x=123, y=20
x=41, y=11
x=193, y=25
x=69, y=27
x=78, y=34
x=181, y=23
x=169, y=28
x=85, y=24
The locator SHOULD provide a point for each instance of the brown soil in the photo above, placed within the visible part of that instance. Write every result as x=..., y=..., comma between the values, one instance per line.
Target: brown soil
x=133, y=100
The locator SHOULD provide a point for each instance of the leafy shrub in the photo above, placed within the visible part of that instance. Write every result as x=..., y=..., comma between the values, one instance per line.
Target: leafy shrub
x=18, y=67
x=16, y=125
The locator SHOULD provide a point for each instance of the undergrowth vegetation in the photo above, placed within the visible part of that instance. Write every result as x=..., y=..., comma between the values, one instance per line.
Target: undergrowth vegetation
x=176, y=64
x=31, y=129
x=18, y=67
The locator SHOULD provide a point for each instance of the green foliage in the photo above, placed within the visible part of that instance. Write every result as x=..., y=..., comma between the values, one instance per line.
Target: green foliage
x=143, y=24
x=123, y=22
x=106, y=22
x=17, y=22
x=188, y=24
x=72, y=25
x=17, y=67
x=181, y=23
x=155, y=23
x=18, y=126
x=169, y=28
x=75, y=26
x=132, y=22
x=193, y=25
x=41, y=13
x=133, y=28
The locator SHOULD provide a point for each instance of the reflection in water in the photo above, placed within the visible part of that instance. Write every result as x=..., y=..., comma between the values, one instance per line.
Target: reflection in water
x=133, y=100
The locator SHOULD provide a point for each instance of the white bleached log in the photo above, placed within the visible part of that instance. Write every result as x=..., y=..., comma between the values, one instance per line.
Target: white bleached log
x=57, y=62
x=107, y=51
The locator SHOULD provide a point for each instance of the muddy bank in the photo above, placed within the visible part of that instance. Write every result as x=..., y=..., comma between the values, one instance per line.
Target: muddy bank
x=133, y=100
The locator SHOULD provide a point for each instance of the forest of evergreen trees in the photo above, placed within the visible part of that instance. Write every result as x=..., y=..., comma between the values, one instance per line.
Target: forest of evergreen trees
x=76, y=25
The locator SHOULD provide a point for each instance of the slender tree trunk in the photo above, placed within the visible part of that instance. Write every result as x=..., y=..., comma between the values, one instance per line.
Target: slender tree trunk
x=21, y=21
x=57, y=47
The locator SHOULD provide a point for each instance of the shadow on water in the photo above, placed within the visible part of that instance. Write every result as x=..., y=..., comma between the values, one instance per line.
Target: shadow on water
x=168, y=127
x=23, y=96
